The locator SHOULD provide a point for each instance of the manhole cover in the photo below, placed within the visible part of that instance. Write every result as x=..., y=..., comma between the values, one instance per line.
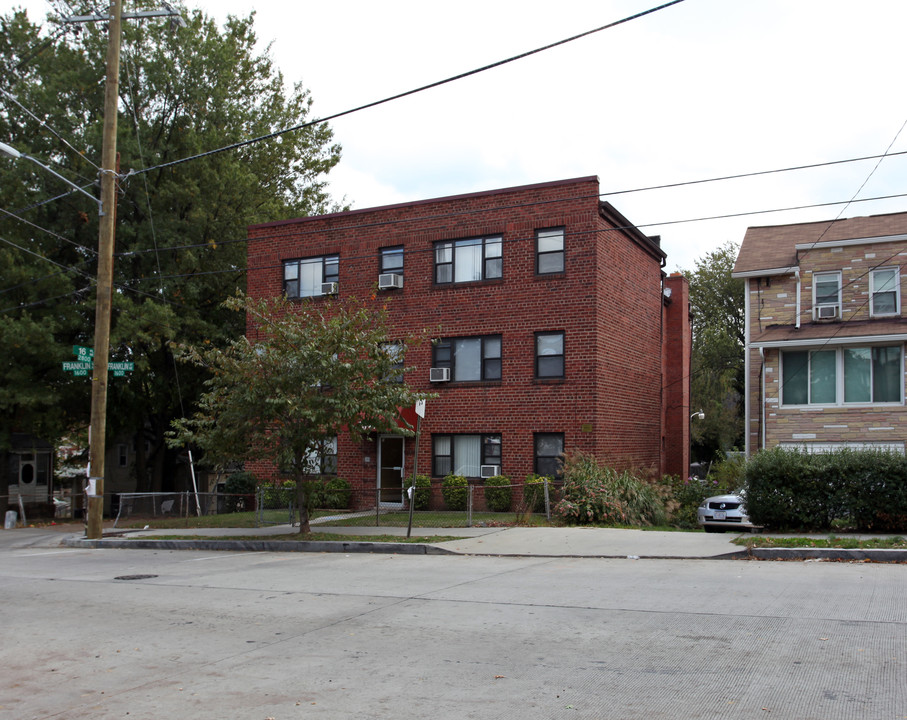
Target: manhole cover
x=135, y=577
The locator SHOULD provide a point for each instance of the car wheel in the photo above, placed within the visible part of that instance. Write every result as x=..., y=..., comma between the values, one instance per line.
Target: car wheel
x=712, y=529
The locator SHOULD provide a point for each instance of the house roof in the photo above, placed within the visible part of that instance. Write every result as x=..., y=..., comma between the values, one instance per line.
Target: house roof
x=774, y=247
x=838, y=333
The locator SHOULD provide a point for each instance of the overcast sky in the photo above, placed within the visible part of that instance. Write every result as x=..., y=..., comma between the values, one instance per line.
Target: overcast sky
x=703, y=89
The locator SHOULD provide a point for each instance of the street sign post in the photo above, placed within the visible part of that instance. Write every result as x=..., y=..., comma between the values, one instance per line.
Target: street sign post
x=84, y=363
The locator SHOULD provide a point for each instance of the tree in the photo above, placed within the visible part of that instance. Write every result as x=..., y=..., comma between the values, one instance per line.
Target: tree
x=181, y=229
x=717, y=386
x=304, y=374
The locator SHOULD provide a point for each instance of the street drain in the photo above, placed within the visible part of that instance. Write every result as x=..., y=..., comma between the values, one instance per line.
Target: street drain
x=135, y=577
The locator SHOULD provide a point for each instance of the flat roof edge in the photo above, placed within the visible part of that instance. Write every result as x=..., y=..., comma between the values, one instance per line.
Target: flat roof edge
x=416, y=203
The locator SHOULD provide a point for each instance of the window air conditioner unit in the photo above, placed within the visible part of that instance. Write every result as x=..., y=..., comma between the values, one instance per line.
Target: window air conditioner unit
x=487, y=471
x=439, y=375
x=329, y=288
x=386, y=281
x=826, y=312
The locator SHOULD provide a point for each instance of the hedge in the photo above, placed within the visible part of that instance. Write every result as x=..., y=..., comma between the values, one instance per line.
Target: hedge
x=860, y=489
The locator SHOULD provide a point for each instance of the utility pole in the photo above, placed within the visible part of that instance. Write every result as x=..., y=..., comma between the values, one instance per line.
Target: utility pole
x=106, y=238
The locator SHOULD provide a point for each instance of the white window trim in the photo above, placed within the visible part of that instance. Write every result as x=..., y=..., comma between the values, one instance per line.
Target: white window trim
x=897, y=292
x=826, y=276
x=839, y=382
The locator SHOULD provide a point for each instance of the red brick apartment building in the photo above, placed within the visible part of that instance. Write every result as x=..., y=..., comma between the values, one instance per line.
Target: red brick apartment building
x=557, y=328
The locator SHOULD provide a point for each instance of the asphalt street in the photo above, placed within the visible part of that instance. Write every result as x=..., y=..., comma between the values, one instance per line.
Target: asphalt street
x=110, y=633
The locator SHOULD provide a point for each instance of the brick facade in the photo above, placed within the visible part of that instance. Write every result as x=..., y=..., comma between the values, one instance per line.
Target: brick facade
x=608, y=302
x=779, y=265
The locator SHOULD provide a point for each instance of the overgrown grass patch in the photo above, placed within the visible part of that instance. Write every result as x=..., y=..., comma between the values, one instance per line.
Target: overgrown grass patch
x=832, y=541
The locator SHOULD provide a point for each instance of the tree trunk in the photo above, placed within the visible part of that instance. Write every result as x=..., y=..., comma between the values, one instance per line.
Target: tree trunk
x=302, y=501
x=4, y=482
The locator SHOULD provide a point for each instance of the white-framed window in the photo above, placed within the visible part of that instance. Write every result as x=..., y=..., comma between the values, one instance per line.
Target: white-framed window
x=842, y=376
x=464, y=454
x=305, y=277
x=470, y=260
x=826, y=295
x=549, y=251
x=885, y=292
x=469, y=358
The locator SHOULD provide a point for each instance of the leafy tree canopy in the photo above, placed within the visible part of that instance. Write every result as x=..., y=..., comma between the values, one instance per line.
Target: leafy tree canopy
x=181, y=229
x=717, y=386
x=305, y=373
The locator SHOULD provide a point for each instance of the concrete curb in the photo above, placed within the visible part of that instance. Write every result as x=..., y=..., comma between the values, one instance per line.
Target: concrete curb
x=345, y=546
x=323, y=546
x=874, y=555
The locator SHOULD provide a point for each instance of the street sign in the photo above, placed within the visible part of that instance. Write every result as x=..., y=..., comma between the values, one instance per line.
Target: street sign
x=78, y=366
x=85, y=364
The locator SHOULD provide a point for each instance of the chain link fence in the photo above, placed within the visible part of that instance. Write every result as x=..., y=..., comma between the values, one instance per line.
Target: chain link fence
x=431, y=505
x=134, y=507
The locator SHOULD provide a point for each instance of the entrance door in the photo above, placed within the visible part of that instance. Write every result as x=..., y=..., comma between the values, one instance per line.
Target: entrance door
x=390, y=470
x=26, y=485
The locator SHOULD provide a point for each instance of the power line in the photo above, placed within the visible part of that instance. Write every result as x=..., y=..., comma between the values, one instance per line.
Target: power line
x=214, y=245
x=398, y=96
x=575, y=234
x=49, y=232
x=43, y=124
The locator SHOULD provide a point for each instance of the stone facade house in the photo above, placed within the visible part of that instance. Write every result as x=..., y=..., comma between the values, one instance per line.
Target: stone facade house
x=825, y=334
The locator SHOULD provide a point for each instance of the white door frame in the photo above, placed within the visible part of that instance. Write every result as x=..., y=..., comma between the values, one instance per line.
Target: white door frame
x=402, y=468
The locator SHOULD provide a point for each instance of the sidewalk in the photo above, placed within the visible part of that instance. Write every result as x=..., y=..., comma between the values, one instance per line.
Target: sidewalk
x=491, y=541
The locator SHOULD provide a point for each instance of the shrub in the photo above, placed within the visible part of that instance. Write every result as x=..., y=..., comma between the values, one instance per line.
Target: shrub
x=237, y=485
x=498, y=493
x=423, y=491
x=534, y=492
x=454, y=490
x=595, y=494
x=335, y=494
x=686, y=495
x=278, y=496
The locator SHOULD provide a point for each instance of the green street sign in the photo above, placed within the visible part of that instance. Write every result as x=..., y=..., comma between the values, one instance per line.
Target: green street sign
x=82, y=352
x=80, y=367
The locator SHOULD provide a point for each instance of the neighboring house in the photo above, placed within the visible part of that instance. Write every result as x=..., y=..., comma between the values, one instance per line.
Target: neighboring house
x=557, y=330
x=825, y=334
x=29, y=469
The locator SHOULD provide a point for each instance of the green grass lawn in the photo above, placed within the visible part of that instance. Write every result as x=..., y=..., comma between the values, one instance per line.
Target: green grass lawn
x=280, y=517
x=832, y=541
x=317, y=536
